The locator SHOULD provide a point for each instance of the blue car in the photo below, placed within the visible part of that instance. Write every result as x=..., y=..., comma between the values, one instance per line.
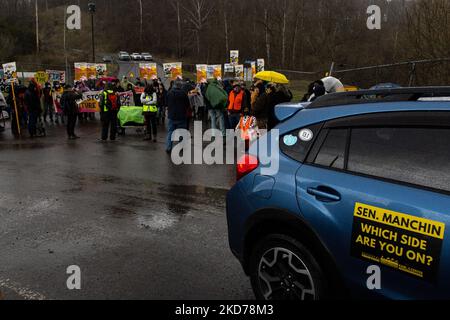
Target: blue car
x=360, y=204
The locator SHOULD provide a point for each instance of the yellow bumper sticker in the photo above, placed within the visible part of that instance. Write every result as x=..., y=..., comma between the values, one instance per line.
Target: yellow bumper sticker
x=397, y=240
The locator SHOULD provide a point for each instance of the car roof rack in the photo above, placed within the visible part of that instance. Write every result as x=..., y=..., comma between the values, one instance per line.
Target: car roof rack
x=380, y=95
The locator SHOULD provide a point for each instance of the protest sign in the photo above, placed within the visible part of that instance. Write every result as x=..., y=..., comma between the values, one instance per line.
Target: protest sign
x=41, y=77
x=139, y=90
x=214, y=71
x=260, y=65
x=90, y=102
x=91, y=70
x=234, y=57
x=239, y=71
x=101, y=70
x=173, y=70
x=229, y=68
x=80, y=71
x=147, y=70
x=56, y=76
x=202, y=70
x=126, y=99
x=10, y=72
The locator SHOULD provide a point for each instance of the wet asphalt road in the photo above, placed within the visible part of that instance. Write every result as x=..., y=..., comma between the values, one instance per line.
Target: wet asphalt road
x=138, y=226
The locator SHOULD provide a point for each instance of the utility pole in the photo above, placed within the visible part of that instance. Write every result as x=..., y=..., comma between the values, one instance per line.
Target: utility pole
x=92, y=8
x=65, y=44
x=142, y=22
x=37, y=25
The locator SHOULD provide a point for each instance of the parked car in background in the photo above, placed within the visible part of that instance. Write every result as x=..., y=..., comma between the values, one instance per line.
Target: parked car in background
x=136, y=56
x=107, y=59
x=147, y=56
x=124, y=56
x=363, y=185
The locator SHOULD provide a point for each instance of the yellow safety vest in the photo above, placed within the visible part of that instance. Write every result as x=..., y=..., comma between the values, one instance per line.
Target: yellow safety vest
x=105, y=100
x=149, y=108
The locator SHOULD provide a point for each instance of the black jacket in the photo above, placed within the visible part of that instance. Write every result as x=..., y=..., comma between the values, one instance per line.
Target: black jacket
x=68, y=102
x=178, y=104
x=32, y=101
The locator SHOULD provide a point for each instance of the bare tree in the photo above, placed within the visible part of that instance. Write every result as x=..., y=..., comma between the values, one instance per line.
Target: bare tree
x=197, y=13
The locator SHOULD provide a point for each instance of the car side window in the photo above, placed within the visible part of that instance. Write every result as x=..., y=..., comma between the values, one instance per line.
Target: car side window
x=297, y=143
x=419, y=156
x=332, y=150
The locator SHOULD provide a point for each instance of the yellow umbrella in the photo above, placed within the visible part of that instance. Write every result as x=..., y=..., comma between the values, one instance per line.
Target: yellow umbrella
x=272, y=76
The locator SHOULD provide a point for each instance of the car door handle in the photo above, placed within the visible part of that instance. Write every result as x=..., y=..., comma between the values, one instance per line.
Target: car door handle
x=325, y=194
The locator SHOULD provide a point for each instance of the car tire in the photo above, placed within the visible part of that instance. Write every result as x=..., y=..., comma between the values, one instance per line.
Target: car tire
x=282, y=268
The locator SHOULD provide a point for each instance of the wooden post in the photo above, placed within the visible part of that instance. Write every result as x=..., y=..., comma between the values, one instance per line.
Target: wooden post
x=15, y=108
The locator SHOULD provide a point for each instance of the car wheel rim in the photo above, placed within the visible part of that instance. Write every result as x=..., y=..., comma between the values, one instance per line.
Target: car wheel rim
x=282, y=275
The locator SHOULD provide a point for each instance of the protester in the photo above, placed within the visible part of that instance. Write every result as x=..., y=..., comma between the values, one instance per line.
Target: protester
x=48, y=102
x=149, y=100
x=70, y=107
x=238, y=101
x=280, y=95
x=217, y=99
x=19, y=103
x=315, y=90
x=118, y=87
x=178, y=106
x=197, y=102
x=3, y=105
x=261, y=107
x=59, y=112
x=109, y=107
x=33, y=103
x=162, y=103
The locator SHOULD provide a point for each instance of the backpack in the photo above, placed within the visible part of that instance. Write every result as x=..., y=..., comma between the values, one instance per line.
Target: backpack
x=112, y=102
x=216, y=96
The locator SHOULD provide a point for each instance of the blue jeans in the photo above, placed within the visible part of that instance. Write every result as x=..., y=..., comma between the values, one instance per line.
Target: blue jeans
x=217, y=114
x=174, y=125
x=234, y=119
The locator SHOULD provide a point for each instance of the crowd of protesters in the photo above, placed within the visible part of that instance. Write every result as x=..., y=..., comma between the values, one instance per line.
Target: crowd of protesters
x=225, y=104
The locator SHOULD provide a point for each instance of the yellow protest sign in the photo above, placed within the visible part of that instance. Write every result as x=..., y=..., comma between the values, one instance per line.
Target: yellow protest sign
x=41, y=77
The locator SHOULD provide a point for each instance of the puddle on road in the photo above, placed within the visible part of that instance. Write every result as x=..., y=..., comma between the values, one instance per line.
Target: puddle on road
x=157, y=221
x=149, y=204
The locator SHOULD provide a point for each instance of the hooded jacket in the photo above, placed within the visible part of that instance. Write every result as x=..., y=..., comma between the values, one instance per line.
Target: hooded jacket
x=216, y=95
x=177, y=103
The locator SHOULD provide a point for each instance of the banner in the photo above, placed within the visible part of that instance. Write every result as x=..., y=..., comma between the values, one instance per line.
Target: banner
x=81, y=71
x=260, y=65
x=55, y=75
x=147, y=70
x=173, y=70
x=10, y=72
x=214, y=71
x=101, y=70
x=239, y=71
x=126, y=99
x=234, y=57
x=90, y=102
x=202, y=72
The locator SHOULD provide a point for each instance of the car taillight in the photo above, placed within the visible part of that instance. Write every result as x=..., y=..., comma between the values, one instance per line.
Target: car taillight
x=246, y=164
